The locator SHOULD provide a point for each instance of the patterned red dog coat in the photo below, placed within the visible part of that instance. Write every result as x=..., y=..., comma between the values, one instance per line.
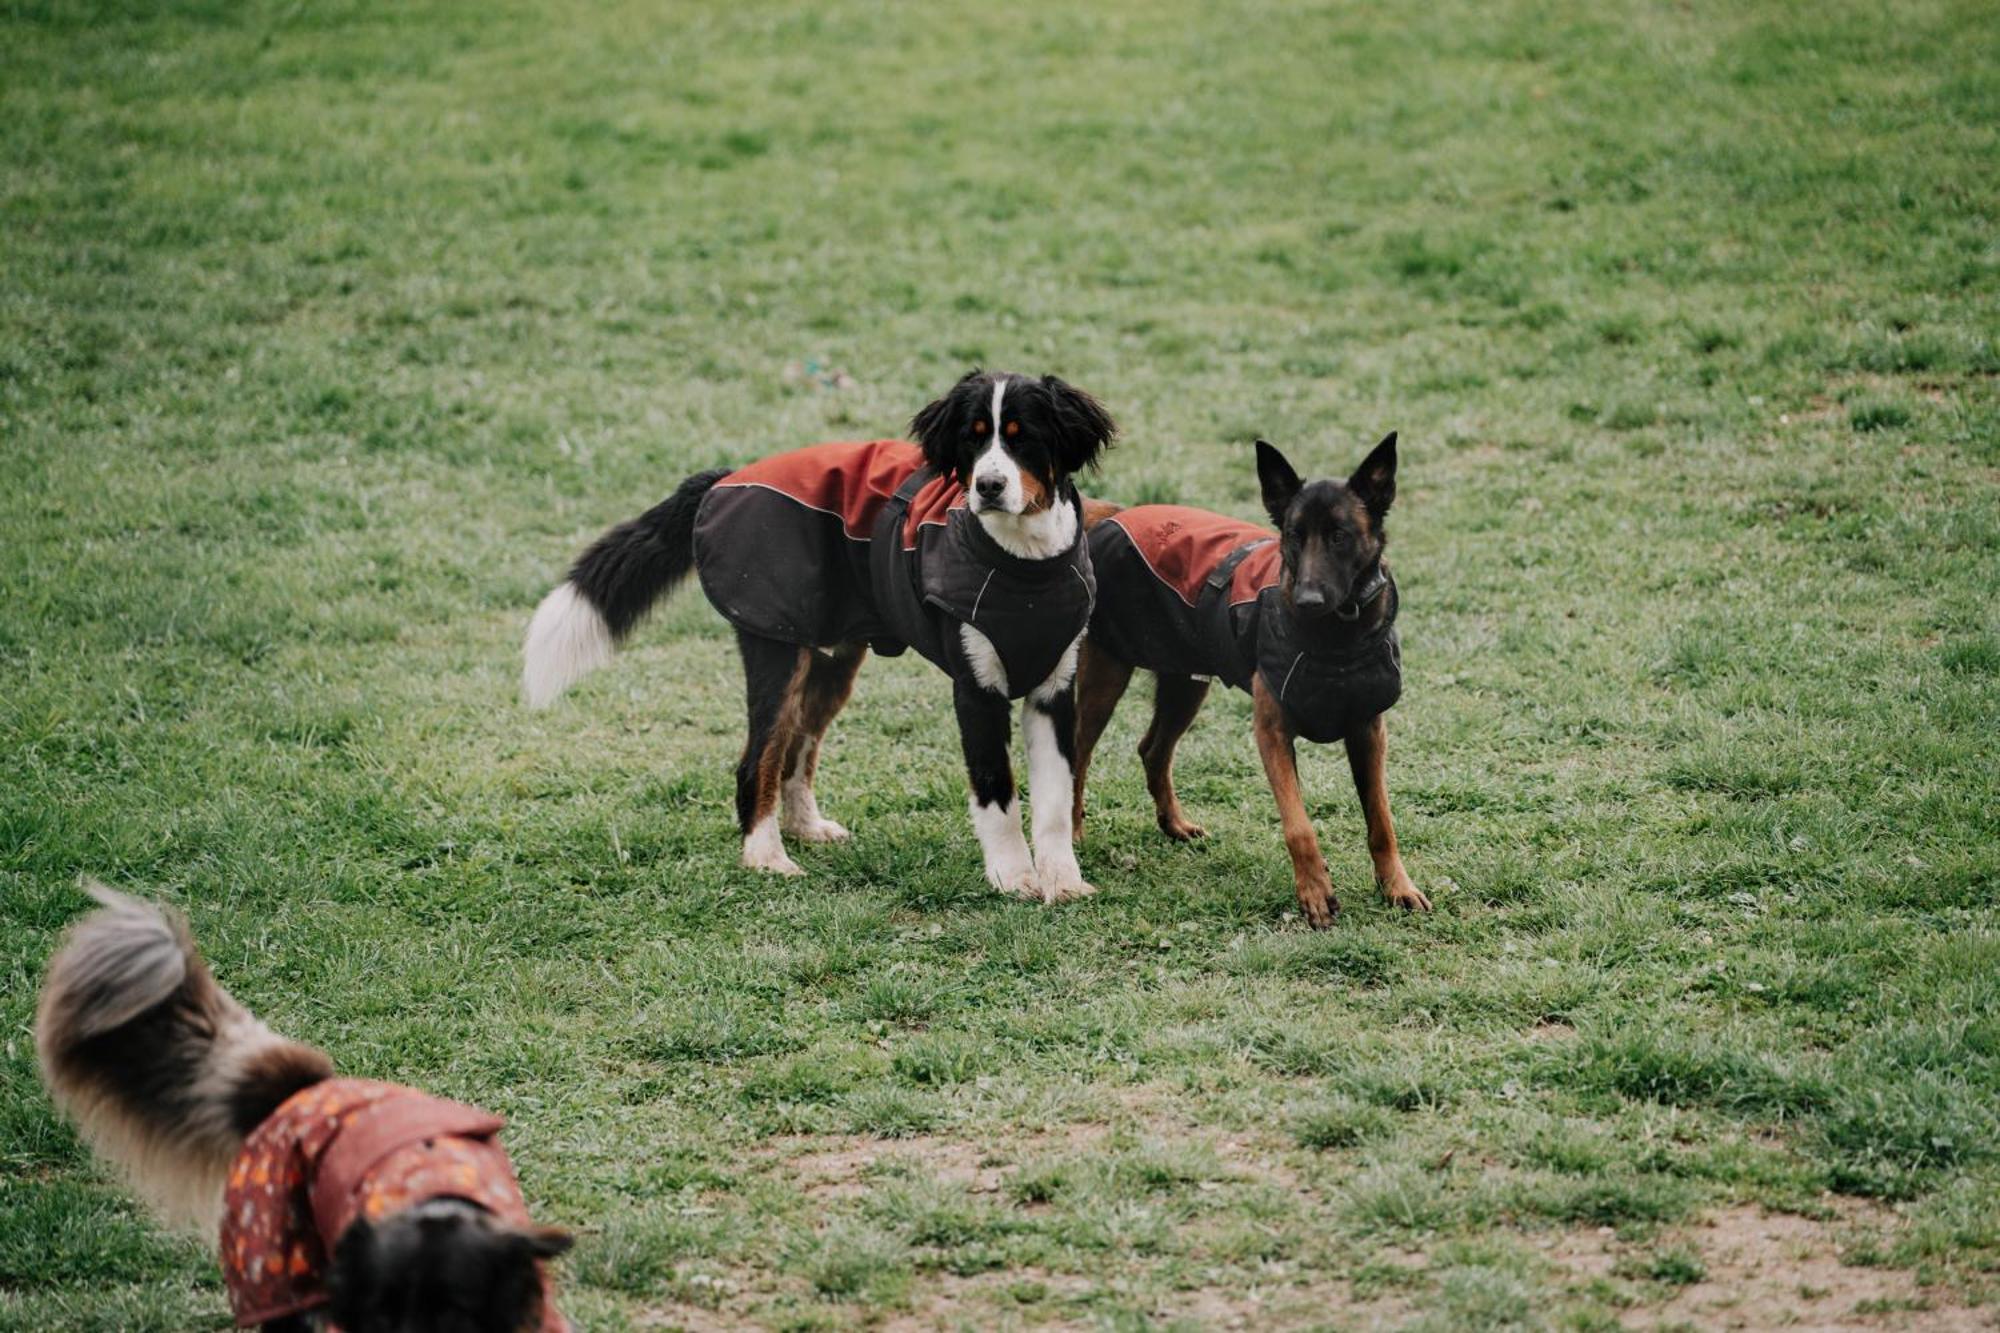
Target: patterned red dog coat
x=343, y=1149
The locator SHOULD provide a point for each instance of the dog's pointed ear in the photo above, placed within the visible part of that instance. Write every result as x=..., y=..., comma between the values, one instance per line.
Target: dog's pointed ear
x=542, y=1242
x=1083, y=428
x=1374, y=482
x=1278, y=478
x=942, y=423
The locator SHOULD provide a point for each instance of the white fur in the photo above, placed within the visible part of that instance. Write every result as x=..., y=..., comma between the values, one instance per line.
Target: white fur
x=801, y=818
x=1009, y=868
x=764, y=849
x=1051, y=787
x=1060, y=678
x=997, y=464
x=1038, y=536
x=984, y=659
x=567, y=640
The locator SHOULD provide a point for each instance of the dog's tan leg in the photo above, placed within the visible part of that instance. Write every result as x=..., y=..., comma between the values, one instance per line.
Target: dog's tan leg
x=829, y=681
x=1368, y=757
x=1281, y=766
x=1100, y=683
x=1176, y=700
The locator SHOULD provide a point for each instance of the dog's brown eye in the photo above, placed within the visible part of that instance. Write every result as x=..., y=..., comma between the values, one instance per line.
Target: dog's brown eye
x=1013, y=429
x=978, y=428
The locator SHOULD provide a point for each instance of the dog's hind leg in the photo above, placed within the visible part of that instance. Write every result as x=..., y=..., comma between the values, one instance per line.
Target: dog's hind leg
x=774, y=674
x=828, y=683
x=1100, y=683
x=1368, y=758
x=1176, y=700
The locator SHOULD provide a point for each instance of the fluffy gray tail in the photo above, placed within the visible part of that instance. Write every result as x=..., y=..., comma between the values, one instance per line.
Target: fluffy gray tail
x=163, y=1072
x=610, y=589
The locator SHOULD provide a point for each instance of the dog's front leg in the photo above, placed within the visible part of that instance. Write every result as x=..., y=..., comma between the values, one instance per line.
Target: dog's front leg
x=984, y=730
x=1049, y=719
x=1368, y=759
x=1281, y=766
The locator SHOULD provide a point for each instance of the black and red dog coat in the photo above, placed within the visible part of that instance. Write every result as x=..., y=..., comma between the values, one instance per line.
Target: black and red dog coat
x=873, y=546
x=1194, y=593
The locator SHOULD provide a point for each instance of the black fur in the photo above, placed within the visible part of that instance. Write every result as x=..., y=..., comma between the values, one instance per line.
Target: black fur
x=1062, y=429
x=443, y=1267
x=768, y=668
x=1330, y=533
x=635, y=564
x=984, y=729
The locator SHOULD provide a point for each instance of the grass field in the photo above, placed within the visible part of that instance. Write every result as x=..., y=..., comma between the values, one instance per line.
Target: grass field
x=330, y=332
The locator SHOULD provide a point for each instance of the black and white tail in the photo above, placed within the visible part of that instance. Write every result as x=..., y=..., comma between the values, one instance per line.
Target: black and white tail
x=164, y=1073
x=610, y=589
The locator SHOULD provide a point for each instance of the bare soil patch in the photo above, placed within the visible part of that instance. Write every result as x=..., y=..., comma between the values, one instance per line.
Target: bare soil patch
x=1765, y=1270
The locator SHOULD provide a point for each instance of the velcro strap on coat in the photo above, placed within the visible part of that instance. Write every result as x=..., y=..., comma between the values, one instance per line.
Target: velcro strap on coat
x=1225, y=569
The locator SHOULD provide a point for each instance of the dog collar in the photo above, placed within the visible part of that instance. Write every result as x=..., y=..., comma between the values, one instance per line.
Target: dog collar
x=1371, y=588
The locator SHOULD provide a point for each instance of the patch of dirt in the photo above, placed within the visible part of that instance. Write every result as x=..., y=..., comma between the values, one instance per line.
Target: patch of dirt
x=838, y=1166
x=944, y=1301
x=678, y=1318
x=1317, y=1304
x=1764, y=1270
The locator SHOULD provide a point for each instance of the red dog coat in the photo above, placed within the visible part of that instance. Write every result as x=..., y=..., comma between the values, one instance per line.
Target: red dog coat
x=849, y=543
x=343, y=1149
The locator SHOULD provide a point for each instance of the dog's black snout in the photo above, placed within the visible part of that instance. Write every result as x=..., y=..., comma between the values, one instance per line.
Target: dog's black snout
x=1310, y=600
x=990, y=487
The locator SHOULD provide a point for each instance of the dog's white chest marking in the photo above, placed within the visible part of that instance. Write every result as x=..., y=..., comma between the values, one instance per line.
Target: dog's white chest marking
x=984, y=660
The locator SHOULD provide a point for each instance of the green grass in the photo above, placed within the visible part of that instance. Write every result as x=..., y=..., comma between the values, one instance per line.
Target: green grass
x=329, y=333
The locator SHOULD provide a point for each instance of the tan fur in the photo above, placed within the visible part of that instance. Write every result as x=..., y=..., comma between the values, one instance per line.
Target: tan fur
x=131, y=963
x=1281, y=767
x=1096, y=511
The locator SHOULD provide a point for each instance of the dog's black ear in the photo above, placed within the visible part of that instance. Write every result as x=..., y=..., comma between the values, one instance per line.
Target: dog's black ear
x=1374, y=482
x=353, y=1276
x=542, y=1242
x=1278, y=478
x=1083, y=428
x=942, y=424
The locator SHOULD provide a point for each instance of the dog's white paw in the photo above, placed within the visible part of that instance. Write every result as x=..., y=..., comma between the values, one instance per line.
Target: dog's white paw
x=1061, y=880
x=816, y=830
x=1016, y=878
x=764, y=850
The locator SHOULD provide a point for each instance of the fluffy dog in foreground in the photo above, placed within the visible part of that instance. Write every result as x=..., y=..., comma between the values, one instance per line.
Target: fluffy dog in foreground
x=1304, y=619
x=343, y=1204
x=966, y=545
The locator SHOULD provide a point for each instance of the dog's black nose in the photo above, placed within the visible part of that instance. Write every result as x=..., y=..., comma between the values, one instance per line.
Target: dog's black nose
x=1309, y=599
x=990, y=487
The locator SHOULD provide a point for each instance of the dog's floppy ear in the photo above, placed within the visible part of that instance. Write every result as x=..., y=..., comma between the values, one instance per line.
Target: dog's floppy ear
x=1279, y=480
x=1083, y=427
x=940, y=426
x=1374, y=482
x=542, y=1242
